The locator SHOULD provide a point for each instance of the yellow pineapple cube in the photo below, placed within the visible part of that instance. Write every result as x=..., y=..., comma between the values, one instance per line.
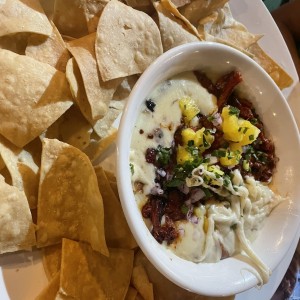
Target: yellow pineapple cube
x=188, y=134
x=188, y=108
x=183, y=155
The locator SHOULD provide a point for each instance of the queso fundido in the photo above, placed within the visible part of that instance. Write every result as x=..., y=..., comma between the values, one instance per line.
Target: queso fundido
x=201, y=166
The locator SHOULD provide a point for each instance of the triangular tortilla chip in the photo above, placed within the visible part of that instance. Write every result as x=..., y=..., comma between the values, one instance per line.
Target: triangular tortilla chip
x=70, y=204
x=69, y=18
x=173, y=31
x=33, y=96
x=127, y=41
x=52, y=260
x=117, y=232
x=199, y=9
x=15, y=42
x=221, y=24
x=16, y=227
x=131, y=293
x=278, y=74
x=140, y=281
x=98, y=93
x=50, y=291
x=23, y=16
x=86, y=274
x=172, y=9
x=23, y=168
x=51, y=50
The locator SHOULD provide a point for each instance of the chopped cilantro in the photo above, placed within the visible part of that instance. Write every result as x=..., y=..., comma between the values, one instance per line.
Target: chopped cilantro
x=226, y=180
x=251, y=137
x=219, y=153
x=184, y=209
x=207, y=192
x=234, y=111
x=163, y=155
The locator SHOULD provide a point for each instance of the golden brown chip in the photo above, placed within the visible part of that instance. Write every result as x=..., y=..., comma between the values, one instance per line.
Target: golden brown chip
x=141, y=282
x=125, y=87
x=173, y=31
x=127, y=41
x=86, y=274
x=172, y=9
x=23, y=16
x=50, y=291
x=278, y=74
x=131, y=293
x=52, y=260
x=222, y=26
x=199, y=9
x=117, y=232
x=180, y=3
x=23, y=167
x=70, y=204
x=33, y=97
x=164, y=289
x=17, y=231
x=98, y=93
x=51, y=50
x=15, y=42
x=69, y=18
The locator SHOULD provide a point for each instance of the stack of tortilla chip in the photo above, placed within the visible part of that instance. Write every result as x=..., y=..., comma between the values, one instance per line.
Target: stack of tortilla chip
x=67, y=68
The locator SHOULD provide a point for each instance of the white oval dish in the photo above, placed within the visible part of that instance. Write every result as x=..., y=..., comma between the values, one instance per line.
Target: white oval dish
x=232, y=275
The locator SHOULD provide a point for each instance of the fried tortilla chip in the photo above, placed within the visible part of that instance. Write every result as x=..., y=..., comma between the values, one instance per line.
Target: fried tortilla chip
x=23, y=16
x=86, y=274
x=180, y=3
x=69, y=18
x=222, y=26
x=199, y=9
x=51, y=50
x=173, y=31
x=127, y=41
x=16, y=227
x=15, y=42
x=69, y=204
x=23, y=168
x=98, y=93
x=117, y=232
x=52, y=260
x=172, y=9
x=131, y=293
x=33, y=96
x=164, y=289
x=278, y=74
x=140, y=281
x=125, y=87
x=50, y=291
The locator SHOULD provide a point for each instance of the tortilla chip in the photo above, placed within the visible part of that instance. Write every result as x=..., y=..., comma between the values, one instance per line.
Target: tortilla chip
x=141, y=282
x=117, y=232
x=52, y=260
x=86, y=274
x=143, y=5
x=48, y=7
x=15, y=42
x=16, y=227
x=164, y=289
x=23, y=16
x=98, y=93
x=51, y=50
x=34, y=93
x=92, y=12
x=173, y=31
x=221, y=24
x=99, y=149
x=50, y=291
x=180, y=3
x=23, y=168
x=104, y=127
x=172, y=9
x=199, y=9
x=69, y=204
x=278, y=74
x=69, y=18
x=131, y=293
x=127, y=41
x=125, y=87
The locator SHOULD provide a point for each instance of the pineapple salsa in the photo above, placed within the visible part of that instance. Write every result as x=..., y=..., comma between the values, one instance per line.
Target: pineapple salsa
x=201, y=165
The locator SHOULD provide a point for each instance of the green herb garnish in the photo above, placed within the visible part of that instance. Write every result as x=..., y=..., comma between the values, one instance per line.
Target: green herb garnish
x=163, y=155
x=234, y=111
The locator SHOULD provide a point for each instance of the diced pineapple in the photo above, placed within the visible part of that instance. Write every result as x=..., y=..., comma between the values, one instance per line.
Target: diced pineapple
x=230, y=126
x=183, y=155
x=188, y=134
x=203, y=139
x=188, y=108
x=232, y=158
x=238, y=130
x=250, y=132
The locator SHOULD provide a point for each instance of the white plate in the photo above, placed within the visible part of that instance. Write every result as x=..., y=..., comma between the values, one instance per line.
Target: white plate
x=22, y=276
